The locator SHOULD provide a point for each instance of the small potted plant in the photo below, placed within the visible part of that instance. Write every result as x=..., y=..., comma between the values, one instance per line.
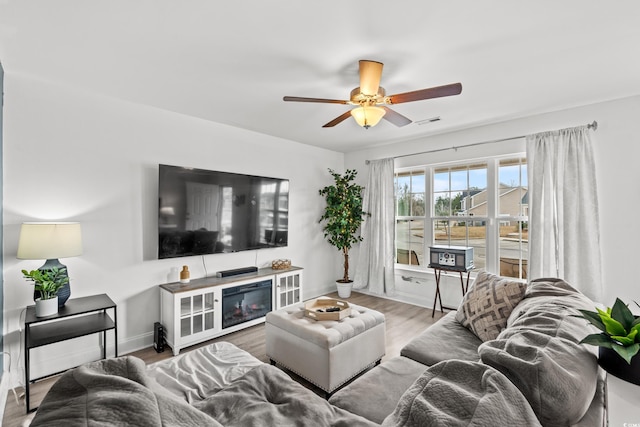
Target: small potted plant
x=47, y=283
x=619, y=341
x=343, y=215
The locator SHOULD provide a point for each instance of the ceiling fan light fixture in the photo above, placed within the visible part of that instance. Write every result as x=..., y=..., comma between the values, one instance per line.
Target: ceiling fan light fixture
x=367, y=116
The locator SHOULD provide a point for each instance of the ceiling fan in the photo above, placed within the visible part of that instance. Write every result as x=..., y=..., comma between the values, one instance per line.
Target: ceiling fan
x=371, y=99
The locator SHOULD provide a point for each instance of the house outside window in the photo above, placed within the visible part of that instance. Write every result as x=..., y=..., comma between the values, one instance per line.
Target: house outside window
x=482, y=204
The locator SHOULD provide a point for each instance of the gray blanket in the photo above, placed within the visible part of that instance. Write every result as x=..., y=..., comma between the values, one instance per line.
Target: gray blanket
x=462, y=394
x=114, y=392
x=118, y=392
x=266, y=396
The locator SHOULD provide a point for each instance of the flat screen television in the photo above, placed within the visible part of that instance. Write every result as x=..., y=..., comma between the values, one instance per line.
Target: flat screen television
x=203, y=212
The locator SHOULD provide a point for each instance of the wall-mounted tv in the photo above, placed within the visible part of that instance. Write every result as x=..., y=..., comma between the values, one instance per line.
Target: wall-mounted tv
x=204, y=212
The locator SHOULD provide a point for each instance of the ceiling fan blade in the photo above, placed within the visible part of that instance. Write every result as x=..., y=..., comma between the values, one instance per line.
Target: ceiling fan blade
x=433, y=92
x=338, y=120
x=395, y=117
x=370, y=74
x=324, y=101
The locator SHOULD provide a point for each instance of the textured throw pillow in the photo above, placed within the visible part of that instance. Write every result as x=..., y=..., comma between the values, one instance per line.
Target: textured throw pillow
x=487, y=305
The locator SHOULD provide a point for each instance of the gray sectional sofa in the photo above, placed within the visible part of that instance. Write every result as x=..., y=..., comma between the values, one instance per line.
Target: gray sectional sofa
x=537, y=351
x=508, y=356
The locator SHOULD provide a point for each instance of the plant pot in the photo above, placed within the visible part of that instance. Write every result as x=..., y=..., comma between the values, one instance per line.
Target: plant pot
x=618, y=367
x=46, y=307
x=344, y=289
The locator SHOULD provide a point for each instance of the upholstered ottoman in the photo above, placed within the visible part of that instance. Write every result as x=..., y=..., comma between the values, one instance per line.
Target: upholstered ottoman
x=327, y=353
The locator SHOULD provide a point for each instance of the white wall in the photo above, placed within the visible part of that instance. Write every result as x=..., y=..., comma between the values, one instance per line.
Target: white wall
x=617, y=147
x=70, y=155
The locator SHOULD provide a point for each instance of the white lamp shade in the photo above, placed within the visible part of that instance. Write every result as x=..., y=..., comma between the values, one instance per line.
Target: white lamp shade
x=368, y=116
x=49, y=240
x=167, y=210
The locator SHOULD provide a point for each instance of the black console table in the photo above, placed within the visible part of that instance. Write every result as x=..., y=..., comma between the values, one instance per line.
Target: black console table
x=78, y=317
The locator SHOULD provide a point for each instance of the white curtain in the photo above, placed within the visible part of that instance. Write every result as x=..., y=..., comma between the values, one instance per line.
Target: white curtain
x=564, y=229
x=374, y=269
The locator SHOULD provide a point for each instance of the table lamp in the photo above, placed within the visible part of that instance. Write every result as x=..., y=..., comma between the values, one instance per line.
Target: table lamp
x=50, y=241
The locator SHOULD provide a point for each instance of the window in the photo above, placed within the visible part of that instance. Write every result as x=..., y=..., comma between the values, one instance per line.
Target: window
x=481, y=204
x=410, y=216
x=513, y=202
x=460, y=208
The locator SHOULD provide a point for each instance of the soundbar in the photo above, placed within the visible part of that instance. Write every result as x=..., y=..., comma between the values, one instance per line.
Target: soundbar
x=236, y=271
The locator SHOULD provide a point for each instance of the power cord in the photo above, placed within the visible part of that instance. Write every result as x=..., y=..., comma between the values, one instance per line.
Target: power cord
x=15, y=394
x=204, y=265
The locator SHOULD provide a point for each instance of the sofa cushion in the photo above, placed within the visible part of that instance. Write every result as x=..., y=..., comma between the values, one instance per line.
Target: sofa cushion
x=487, y=305
x=375, y=394
x=540, y=354
x=444, y=340
x=462, y=393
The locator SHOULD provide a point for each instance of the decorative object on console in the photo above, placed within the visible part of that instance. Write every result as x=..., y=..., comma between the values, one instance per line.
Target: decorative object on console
x=184, y=274
x=343, y=215
x=47, y=284
x=281, y=264
x=619, y=340
x=50, y=241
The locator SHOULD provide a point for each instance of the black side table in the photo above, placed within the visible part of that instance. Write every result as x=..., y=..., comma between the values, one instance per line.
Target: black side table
x=78, y=317
x=437, y=270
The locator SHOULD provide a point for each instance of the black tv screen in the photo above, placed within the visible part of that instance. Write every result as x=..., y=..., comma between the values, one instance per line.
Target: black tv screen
x=204, y=212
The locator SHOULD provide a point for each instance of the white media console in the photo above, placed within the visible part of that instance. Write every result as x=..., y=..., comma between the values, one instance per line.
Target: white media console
x=210, y=307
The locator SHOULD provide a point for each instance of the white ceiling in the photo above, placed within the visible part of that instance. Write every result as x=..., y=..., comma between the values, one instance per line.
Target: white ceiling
x=232, y=61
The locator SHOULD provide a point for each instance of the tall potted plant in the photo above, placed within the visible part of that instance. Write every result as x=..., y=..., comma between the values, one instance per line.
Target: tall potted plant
x=47, y=282
x=343, y=215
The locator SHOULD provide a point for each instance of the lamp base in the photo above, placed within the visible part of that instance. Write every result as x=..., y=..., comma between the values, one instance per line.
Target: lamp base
x=64, y=292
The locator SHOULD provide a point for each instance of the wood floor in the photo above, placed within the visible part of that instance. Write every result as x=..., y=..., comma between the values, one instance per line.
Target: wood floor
x=403, y=322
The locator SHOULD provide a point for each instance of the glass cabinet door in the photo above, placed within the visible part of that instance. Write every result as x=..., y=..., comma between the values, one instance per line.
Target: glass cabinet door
x=289, y=289
x=197, y=313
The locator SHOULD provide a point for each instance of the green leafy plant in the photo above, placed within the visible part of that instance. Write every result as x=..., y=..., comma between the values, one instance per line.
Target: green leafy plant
x=343, y=214
x=620, y=329
x=48, y=282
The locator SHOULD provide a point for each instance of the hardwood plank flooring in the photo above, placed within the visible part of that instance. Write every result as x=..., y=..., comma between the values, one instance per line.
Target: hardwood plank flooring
x=403, y=322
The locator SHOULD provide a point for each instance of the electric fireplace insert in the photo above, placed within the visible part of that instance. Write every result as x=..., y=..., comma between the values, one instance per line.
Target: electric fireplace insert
x=246, y=302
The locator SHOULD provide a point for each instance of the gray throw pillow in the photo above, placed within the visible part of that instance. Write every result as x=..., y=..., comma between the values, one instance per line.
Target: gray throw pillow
x=487, y=305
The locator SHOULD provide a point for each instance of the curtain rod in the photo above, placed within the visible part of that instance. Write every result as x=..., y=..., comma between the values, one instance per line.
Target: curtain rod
x=593, y=125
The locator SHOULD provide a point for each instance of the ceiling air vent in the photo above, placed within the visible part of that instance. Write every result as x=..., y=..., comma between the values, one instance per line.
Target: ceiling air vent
x=427, y=121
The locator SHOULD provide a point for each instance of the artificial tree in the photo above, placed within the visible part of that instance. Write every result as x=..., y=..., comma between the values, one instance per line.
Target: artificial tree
x=343, y=214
